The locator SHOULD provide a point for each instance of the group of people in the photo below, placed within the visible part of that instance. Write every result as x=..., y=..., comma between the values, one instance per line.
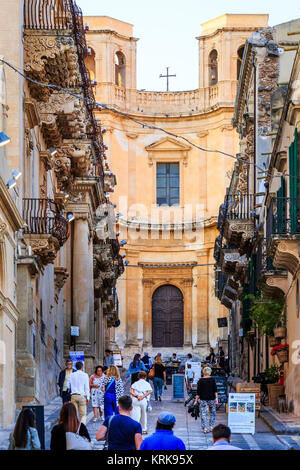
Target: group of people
x=125, y=416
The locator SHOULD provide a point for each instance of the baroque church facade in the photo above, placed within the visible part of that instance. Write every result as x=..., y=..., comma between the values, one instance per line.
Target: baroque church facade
x=168, y=191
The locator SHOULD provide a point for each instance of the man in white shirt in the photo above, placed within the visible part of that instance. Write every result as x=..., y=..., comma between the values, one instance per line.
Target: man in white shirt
x=140, y=392
x=221, y=437
x=78, y=383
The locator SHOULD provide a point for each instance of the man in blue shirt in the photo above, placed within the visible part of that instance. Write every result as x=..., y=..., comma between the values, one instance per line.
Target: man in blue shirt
x=163, y=438
x=221, y=437
x=123, y=432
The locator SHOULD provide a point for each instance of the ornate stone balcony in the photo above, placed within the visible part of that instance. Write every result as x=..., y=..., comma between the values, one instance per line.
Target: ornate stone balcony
x=46, y=229
x=236, y=221
x=283, y=233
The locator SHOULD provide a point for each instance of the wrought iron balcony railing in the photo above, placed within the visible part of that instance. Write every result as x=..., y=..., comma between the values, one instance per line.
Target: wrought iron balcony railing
x=283, y=217
x=42, y=217
x=236, y=207
x=47, y=14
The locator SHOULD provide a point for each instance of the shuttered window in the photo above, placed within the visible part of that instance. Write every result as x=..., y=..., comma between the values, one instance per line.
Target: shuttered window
x=293, y=170
x=167, y=184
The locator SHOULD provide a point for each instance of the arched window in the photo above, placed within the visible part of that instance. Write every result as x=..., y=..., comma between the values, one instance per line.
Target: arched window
x=239, y=61
x=90, y=63
x=120, y=69
x=213, y=68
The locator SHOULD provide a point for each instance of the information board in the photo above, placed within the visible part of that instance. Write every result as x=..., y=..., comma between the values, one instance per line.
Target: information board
x=221, y=382
x=178, y=387
x=241, y=413
x=76, y=356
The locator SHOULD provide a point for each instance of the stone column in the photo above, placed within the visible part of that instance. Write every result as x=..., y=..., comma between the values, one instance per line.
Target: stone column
x=147, y=311
x=82, y=279
x=187, y=285
x=132, y=302
x=202, y=302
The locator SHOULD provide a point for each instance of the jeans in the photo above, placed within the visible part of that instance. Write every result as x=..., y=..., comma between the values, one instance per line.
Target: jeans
x=158, y=387
x=110, y=405
x=211, y=404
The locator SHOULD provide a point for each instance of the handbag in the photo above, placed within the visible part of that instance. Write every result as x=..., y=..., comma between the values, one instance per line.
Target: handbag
x=151, y=373
x=76, y=442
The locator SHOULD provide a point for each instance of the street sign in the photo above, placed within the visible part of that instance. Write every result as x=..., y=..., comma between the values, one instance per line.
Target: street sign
x=222, y=322
x=74, y=330
x=241, y=413
x=76, y=356
x=117, y=358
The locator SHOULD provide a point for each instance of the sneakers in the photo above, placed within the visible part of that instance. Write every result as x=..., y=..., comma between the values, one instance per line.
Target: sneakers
x=159, y=398
x=94, y=420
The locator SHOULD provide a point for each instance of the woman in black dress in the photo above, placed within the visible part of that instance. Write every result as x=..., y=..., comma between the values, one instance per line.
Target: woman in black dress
x=68, y=422
x=207, y=393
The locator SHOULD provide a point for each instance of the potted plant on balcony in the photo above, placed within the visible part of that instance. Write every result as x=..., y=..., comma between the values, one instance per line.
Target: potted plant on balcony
x=272, y=376
x=280, y=328
x=266, y=314
x=282, y=352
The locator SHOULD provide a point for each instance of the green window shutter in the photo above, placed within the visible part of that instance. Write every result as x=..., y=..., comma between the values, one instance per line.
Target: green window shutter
x=245, y=320
x=293, y=169
x=280, y=222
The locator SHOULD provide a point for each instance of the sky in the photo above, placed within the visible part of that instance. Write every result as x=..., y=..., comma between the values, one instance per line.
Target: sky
x=167, y=30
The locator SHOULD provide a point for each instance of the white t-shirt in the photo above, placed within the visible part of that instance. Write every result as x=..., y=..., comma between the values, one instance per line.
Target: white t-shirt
x=141, y=387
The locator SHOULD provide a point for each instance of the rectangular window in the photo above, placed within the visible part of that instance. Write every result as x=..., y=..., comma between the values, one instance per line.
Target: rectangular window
x=167, y=184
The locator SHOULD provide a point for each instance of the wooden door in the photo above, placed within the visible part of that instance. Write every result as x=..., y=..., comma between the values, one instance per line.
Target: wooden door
x=167, y=317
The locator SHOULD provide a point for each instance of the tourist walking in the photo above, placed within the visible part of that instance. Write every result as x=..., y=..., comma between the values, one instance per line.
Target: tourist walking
x=113, y=389
x=78, y=383
x=67, y=422
x=97, y=395
x=140, y=392
x=163, y=438
x=135, y=367
x=147, y=361
x=63, y=380
x=159, y=378
x=221, y=436
x=122, y=432
x=25, y=435
x=108, y=359
x=207, y=393
x=190, y=374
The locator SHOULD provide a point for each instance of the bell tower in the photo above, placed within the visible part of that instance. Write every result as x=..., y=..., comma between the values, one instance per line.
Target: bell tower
x=220, y=50
x=111, y=58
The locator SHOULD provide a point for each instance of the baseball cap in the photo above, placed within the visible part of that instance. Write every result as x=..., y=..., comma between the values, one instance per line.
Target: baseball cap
x=166, y=418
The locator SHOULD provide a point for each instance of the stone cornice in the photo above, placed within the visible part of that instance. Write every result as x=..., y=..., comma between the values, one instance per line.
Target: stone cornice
x=9, y=308
x=9, y=208
x=227, y=29
x=113, y=33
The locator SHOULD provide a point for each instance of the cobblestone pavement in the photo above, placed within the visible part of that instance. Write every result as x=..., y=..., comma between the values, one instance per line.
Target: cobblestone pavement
x=187, y=428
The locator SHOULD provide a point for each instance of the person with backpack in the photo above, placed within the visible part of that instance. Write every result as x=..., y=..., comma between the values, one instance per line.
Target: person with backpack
x=113, y=389
x=122, y=432
x=25, y=435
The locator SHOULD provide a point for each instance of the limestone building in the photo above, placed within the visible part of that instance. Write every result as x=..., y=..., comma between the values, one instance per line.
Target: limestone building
x=57, y=268
x=168, y=191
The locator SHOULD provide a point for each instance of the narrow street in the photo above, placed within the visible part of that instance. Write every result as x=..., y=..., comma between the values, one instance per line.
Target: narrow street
x=189, y=429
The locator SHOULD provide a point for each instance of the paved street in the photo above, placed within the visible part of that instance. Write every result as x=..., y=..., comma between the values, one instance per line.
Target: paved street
x=187, y=428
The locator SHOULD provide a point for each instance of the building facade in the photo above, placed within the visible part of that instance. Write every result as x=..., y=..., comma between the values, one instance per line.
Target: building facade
x=168, y=191
x=57, y=267
x=256, y=251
